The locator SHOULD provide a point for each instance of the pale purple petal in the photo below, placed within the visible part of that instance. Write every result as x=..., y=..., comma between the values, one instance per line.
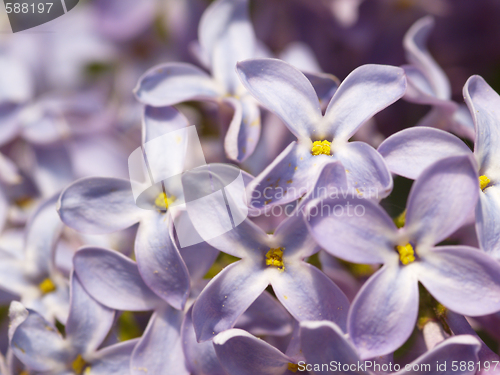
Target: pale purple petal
x=113, y=360
x=244, y=130
x=88, y=322
x=366, y=91
x=488, y=220
x=157, y=121
x=384, y=312
x=99, y=205
x=456, y=349
x=159, y=261
x=417, y=54
x=160, y=347
x=308, y=294
x=293, y=236
x=461, y=278
x=366, y=170
x=36, y=342
x=198, y=259
x=442, y=199
x=113, y=280
x=265, y=316
x=483, y=103
x=366, y=235
x=285, y=91
x=240, y=353
x=410, y=151
x=173, y=83
x=12, y=278
x=290, y=176
x=200, y=357
x=324, y=342
x=226, y=297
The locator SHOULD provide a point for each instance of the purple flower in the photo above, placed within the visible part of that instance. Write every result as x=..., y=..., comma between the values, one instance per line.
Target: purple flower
x=427, y=84
x=461, y=278
x=286, y=92
x=266, y=259
x=38, y=344
x=410, y=151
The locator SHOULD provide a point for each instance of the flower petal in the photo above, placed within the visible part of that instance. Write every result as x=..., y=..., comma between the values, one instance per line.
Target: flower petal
x=36, y=342
x=462, y=348
x=366, y=170
x=98, y=205
x=244, y=131
x=324, y=342
x=159, y=261
x=283, y=90
x=417, y=54
x=362, y=236
x=290, y=176
x=240, y=353
x=483, y=103
x=163, y=336
x=488, y=220
x=441, y=199
x=113, y=280
x=88, y=322
x=366, y=91
x=157, y=121
x=410, y=151
x=462, y=278
x=173, y=83
x=114, y=359
x=384, y=312
x=200, y=357
x=226, y=297
x=308, y=294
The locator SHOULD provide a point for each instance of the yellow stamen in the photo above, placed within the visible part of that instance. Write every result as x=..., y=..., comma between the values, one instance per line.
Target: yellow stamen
x=79, y=365
x=321, y=148
x=163, y=200
x=47, y=286
x=293, y=367
x=274, y=257
x=483, y=182
x=400, y=220
x=406, y=253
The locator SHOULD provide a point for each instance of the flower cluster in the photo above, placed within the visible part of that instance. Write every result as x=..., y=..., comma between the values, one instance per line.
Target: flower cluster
x=247, y=214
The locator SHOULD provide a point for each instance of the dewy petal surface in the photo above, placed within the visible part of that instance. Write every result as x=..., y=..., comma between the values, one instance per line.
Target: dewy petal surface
x=483, y=103
x=462, y=278
x=308, y=294
x=285, y=91
x=366, y=238
x=442, y=199
x=173, y=83
x=99, y=205
x=240, y=353
x=366, y=91
x=113, y=280
x=383, y=314
x=409, y=152
x=226, y=297
x=159, y=261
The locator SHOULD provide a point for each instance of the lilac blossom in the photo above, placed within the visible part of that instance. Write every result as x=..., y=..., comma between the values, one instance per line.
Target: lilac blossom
x=461, y=278
x=275, y=260
x=410, y=151
x=286, y=92
x=427, y=84
x=38, y=344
